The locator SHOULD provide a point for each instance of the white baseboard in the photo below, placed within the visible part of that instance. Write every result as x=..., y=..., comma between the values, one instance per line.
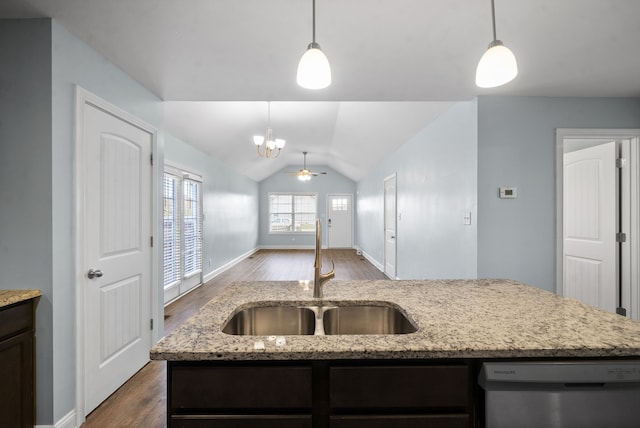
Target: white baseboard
x=67, y=421
x=209, y=276
x=373, y=261
x=287, y=247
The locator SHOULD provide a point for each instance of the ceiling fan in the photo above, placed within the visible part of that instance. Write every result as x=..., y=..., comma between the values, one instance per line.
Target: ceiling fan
x=305, y=174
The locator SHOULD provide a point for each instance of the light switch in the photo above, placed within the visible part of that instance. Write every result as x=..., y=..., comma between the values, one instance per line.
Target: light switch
x=466, y=218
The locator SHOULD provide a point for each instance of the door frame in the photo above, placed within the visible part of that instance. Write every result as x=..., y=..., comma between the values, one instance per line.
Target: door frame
x=328, y=208
x=84, y=98
x=393, y=176
x=630, y=206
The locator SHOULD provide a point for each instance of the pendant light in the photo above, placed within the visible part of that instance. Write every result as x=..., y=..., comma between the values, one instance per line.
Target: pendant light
x=267, y=145
x=314, y=71
x=498, y=64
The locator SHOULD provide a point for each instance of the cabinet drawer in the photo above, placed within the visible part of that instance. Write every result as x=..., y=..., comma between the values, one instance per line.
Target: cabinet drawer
x=16, y=318
x=256, y=421
x=397, y=387
x=401, y=421
x=229, y=387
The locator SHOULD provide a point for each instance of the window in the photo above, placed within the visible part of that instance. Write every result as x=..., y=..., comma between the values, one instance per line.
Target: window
x=292, y=213
x=339, y=204
x=182, y=216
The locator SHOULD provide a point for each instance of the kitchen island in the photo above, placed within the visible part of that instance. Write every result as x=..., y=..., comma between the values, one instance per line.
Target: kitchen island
x=363, y=380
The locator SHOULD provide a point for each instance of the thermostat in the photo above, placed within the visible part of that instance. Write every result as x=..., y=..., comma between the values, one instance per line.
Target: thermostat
x=508, y=192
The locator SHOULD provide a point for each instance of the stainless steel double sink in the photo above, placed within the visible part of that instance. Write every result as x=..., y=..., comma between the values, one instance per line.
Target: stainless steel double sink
x=283, y=319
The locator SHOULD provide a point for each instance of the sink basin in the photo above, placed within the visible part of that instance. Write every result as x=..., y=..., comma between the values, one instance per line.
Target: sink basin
x=276, y=320
x=366, y=319
x=271, y=320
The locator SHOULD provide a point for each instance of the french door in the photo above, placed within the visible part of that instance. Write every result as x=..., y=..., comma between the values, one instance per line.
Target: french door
x=182, y=214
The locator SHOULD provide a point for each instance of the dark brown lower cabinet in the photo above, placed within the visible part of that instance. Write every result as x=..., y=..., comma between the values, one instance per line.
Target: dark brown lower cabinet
x=401, y=421
x=17, y=392
x=320, y=394
x=247, y=421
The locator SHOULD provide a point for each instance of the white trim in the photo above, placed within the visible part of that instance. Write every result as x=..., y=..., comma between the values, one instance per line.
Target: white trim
x=182, y=171
x=631, y=290
x=209, y=276
x=84, y=97
x=373, y=261
x=67, y=421
x=288, y=247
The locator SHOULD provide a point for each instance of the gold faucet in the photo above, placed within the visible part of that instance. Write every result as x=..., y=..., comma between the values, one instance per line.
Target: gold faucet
x=319, y=277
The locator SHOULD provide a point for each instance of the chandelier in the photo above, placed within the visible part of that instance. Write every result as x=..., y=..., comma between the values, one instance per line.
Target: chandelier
x=267, y=146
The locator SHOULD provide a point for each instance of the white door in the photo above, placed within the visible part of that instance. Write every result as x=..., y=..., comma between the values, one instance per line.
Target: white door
x=339, y=221
x=590, y=225
x=117, y=243
x=390, y=226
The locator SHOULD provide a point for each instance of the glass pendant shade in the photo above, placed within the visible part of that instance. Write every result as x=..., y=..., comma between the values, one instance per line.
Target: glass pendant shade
x=314, y=71
x=258, y=140
x=496, y=67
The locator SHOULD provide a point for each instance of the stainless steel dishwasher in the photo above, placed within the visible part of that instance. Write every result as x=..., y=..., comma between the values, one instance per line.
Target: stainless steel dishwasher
x=581, y=394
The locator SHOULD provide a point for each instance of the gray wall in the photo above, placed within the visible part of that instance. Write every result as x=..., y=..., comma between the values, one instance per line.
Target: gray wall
x=516, y=147
x=436, y=183
x=230, y=204
x=75, y=63
x=333, y=182
x=26, y=236
x=41, y=63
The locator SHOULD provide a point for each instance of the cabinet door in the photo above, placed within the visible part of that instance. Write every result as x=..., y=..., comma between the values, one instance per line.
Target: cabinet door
x=255, y=421
x=16, y=381
x=239, y=387
x=401, y=421
x=400, y=387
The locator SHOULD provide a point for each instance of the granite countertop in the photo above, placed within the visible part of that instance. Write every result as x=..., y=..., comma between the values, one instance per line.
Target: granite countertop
x=9, y=297
x=455, y=319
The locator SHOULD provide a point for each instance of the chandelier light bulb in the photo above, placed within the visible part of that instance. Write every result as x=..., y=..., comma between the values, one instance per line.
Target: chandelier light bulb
x=269, y=149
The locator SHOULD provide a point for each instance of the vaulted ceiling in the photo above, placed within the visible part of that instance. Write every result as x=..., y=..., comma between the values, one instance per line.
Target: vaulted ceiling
x=396, y=65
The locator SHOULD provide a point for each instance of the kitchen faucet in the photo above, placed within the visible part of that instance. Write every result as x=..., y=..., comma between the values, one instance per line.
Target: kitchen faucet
x=319, y=277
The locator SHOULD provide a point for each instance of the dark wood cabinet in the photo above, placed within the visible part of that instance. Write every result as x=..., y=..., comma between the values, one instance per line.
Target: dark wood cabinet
x=17, y=406
x=401, y=421
x=320, y=394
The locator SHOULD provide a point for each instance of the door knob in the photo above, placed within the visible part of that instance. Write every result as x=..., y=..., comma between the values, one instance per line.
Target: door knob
x=94, y=273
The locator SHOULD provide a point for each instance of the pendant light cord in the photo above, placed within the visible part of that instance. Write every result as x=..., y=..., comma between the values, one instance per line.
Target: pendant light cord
x=268, y=114
x=313, y=37
x=493, y=19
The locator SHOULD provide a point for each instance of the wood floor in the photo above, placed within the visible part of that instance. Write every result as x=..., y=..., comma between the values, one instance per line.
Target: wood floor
x=141, y=402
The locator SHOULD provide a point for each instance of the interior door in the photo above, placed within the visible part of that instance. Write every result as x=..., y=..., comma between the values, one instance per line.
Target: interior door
x=117, y=230
x=390, y=226
x=590, y=209
x=339, y=221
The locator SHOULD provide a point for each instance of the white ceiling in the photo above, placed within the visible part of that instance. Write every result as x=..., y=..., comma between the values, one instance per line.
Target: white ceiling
x=211, y=60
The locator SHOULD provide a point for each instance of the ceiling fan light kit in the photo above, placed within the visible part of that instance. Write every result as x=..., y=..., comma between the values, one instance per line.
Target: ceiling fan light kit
x=305, y=174
x=314, y=71
x=498, y=64
x=266, y=145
